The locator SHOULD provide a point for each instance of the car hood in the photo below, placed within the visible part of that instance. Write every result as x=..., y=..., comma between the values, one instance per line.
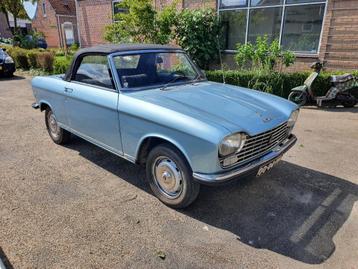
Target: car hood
x=235, y=108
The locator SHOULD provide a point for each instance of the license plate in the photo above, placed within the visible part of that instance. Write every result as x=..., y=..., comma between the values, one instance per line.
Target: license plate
x=267, y=167
x=0, y=67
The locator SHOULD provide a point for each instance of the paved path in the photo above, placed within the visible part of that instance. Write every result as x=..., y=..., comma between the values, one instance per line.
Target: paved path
x=81, y=207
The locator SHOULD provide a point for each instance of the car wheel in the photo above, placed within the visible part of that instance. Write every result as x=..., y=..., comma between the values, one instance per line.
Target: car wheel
x=170, y=177
x=350, y=102
x=57, y=134
x=298, y=97
x=8, y=75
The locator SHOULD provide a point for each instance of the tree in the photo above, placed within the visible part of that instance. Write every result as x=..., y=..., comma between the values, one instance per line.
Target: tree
x=198, y=32
x=141, y=23
x=16, y=8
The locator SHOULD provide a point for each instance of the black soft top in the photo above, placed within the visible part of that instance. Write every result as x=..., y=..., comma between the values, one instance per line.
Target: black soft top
x=112, y=48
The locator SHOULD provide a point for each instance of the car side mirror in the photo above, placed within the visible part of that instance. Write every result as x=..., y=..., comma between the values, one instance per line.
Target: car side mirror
x=159, y=60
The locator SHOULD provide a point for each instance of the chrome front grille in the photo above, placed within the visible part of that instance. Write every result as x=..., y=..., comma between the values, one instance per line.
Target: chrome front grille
x=258, y=145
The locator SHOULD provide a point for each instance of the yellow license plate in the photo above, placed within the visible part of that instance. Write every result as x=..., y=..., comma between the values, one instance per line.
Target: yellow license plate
x=0, y=67
x=267, y=167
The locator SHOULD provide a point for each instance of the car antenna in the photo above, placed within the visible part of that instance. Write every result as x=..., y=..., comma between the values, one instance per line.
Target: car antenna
x=221, y=60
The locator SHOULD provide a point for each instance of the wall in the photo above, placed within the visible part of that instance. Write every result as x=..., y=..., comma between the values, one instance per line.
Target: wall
x=93, y=16
x=47, y=25
x=339, y=46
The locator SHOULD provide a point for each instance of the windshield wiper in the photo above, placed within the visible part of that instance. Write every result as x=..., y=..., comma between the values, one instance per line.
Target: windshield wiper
x=164, y=88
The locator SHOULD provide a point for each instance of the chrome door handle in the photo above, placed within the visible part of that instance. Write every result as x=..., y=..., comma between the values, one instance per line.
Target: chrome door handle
x=69, y=90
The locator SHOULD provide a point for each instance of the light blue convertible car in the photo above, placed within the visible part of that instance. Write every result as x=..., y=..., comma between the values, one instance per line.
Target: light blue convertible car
x=151, y=105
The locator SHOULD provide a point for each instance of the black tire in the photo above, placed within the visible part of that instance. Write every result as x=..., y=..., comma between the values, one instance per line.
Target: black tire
x=8, y=75
x=349, y=103
x=298, y=97
x=170, y=157
x=60, y=136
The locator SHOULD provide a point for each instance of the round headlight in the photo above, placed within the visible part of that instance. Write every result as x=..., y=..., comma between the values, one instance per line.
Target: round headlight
x=293, y=118
x=9, y=60
x=232, y=143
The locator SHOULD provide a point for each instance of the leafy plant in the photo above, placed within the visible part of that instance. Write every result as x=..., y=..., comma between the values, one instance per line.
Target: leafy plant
x=263, y=55
x=61, y=64
x=198, y=33
x=141, y=23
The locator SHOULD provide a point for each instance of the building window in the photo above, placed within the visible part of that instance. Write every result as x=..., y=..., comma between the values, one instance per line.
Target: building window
x=297, y=24
x=69, y=34
x=44, y=8
x=264, y=21
x=116, y=10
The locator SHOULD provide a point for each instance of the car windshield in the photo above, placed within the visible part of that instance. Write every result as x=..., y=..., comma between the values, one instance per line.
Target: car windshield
x=154, y=69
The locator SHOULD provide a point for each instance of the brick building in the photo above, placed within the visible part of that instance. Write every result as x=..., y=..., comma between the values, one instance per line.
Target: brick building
x=5, y=31
x=93, y=16
x=57, y=20
x=313, y=29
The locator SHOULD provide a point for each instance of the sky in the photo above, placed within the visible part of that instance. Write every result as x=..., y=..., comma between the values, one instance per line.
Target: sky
x=30, y=9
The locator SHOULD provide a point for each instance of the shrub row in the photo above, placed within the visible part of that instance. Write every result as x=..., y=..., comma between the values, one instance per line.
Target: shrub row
x=36, y=58
x=277, y=83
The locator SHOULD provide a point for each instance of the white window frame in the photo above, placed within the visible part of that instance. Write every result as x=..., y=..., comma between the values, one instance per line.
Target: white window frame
x=68, y=24
x=283, y=6
x=43, y=6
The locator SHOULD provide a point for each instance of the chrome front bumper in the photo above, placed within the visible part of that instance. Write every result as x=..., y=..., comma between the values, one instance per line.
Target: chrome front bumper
x=249, y=168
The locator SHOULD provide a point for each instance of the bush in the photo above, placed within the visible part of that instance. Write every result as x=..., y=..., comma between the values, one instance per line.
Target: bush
x=45, y=61
x=61, y=64
x=197, y=32
x=274, y=82
x=263, y=55
x=32, y=58
x=20, y=57
x=141, y=23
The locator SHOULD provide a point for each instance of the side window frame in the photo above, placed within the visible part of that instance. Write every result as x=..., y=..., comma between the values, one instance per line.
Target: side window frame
x=110, y=72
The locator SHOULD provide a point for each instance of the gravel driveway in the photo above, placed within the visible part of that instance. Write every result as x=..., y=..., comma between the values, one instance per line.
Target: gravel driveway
x=82, y=207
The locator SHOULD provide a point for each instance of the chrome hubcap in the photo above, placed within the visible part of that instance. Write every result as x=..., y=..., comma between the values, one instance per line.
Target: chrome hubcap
x=167, y=177
x=53, y=126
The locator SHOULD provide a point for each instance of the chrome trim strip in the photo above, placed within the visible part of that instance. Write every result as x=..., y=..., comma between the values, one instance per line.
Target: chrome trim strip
x=216, y=178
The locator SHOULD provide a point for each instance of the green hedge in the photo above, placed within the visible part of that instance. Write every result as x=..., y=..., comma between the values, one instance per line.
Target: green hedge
x=277, y=83
x=35, y=58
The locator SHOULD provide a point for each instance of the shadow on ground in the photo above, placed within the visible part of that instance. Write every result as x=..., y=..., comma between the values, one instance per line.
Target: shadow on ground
x=292, y=210
x=334, y=109
x=3, y=78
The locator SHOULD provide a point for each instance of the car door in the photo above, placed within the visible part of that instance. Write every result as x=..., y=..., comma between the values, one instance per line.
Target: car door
x=91, y=103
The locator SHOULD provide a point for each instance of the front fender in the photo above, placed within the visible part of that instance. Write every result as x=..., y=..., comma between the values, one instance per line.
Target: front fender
x=301, y=88
x=166, y=138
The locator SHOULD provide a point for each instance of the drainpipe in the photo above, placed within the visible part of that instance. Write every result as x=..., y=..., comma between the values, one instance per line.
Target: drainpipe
x=78, y=25
x=59, y=30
